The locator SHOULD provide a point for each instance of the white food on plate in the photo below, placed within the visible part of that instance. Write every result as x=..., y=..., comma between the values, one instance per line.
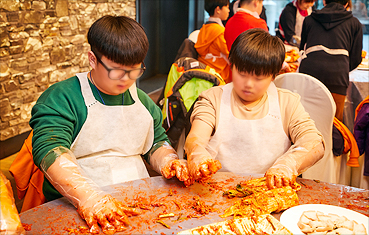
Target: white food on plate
x=316, y=222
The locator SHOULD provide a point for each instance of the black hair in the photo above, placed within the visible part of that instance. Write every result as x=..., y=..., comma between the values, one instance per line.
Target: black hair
x=343, y=2
x=211, y=5
x=256, y=51
x=118, y=38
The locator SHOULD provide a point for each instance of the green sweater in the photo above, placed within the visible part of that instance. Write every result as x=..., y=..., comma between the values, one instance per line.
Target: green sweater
x=60, y=113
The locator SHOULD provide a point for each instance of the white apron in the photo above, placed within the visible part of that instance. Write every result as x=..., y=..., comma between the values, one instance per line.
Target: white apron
x=300, y=20
x=248, y=146
x=112, y=139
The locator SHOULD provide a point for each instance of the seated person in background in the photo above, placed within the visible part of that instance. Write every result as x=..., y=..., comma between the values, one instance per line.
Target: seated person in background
x=291, y=19
x=211, y=45
x=247, y=17
x=247, y=126
x=91, y=129
x=332, y=41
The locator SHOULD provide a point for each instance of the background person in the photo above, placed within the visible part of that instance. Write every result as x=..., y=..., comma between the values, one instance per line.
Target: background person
x=233, y=6
x=211, y=45
x=291, y=19
x=246, y=17
x=332, y=42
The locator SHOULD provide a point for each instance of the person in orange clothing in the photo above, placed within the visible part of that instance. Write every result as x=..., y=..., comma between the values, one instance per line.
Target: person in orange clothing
x=211, y=45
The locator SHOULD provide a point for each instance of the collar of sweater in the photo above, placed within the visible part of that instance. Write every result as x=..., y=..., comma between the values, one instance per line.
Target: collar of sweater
x=216, y=20
x=253, y=13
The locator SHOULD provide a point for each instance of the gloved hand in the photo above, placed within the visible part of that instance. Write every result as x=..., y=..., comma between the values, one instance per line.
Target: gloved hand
x=178, y=168
x=165, y=160
x=280, y=175
x=107, y=211
x=94, y=205
x=295, y=161
x=200, y=164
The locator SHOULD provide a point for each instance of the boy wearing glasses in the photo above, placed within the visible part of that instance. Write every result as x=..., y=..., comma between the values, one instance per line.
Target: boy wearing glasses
x=92, y=129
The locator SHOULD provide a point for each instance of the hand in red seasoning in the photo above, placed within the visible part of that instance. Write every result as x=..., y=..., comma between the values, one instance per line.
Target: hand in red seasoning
x=275, y=179
x=179, y=169
x=107, y=212
x=203, y=169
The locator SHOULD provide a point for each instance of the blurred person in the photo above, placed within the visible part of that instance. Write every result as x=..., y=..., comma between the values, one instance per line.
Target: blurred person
x=246, y=17
x=233, y=9
x=247, y=126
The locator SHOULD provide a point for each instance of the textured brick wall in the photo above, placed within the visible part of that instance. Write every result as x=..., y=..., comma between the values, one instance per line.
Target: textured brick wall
x=41, y=43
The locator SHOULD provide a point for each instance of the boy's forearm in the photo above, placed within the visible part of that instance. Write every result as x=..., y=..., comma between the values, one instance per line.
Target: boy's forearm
x=68, y=178
x=302, y=156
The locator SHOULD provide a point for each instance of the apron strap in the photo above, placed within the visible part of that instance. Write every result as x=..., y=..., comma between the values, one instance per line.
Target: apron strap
x=86, y=89
x=133, y=91
x=273, y=100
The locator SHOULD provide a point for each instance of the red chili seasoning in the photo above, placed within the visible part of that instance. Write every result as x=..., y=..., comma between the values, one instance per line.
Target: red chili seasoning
x=27, y=227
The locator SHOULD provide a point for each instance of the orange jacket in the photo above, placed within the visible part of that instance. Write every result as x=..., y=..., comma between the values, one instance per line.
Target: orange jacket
x=28, y=177
x=349, y=143
x=211, y=41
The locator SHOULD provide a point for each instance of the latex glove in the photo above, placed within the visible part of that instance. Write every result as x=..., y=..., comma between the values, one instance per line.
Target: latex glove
x=166, y=161
x=202, y=167
x=295, y=161
x=94, y=205
x=280, y=175
x=286, y=67
x=200, y=163
x=107, y=211
x=178, y=168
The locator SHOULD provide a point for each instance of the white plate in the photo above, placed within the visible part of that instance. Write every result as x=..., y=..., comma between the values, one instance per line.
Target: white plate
x=291, y=216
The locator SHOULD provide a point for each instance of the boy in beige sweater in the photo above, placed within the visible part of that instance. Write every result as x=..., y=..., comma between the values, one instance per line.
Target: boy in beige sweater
x=247, y=126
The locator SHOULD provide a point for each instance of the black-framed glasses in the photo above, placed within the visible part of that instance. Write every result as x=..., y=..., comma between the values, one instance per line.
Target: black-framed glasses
x=117, y=74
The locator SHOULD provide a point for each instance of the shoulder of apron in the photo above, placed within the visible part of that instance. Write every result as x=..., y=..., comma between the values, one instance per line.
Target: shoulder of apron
x=86, y=89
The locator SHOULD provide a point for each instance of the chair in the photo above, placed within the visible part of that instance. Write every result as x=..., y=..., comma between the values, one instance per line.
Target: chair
x=319, y=103
x=193, y=36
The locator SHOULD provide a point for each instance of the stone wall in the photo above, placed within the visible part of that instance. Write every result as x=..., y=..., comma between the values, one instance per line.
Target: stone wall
x=43, y=42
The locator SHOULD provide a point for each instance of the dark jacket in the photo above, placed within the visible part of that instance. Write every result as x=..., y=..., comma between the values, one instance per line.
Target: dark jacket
x=334, y=28
x=361, y=133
